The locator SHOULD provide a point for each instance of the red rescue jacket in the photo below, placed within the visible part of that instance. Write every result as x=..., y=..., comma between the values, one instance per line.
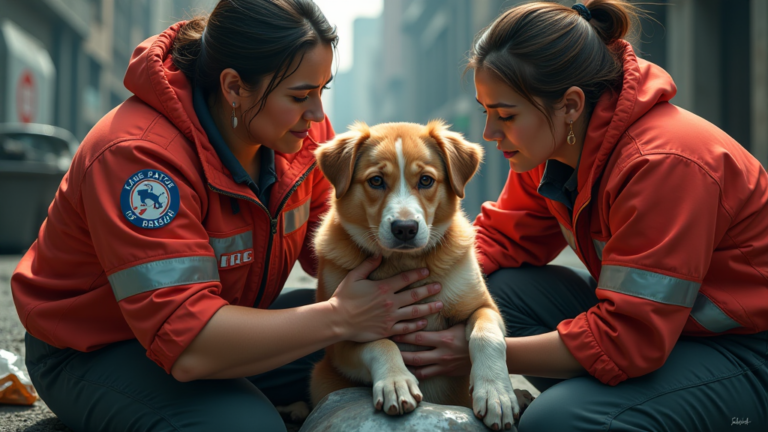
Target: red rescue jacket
x=671, y=219
x=143, y=240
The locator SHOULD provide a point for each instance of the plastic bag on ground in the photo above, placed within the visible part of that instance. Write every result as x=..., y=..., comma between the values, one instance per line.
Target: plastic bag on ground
x=15, y=386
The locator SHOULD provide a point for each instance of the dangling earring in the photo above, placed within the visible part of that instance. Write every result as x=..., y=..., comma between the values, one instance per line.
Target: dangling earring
x=234, y=117
x=571, y=138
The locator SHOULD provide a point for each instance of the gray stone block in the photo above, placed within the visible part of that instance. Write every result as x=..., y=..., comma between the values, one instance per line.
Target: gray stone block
x=351, y=410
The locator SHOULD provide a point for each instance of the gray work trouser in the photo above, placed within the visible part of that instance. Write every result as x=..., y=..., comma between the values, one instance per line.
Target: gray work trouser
x=715, y=383
x=117, y=388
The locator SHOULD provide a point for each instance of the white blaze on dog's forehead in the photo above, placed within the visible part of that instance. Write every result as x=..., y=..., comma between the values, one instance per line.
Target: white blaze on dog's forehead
x=401, y=162
x=402, y=204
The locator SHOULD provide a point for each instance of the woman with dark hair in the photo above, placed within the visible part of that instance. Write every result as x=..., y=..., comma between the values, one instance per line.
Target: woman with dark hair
x=668, y=328
x=177, y=225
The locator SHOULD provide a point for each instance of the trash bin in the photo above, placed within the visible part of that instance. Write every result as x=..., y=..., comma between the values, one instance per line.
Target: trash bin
x=33, y=160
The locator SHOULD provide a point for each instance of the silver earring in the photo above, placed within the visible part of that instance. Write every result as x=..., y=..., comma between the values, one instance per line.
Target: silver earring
x=234, y=117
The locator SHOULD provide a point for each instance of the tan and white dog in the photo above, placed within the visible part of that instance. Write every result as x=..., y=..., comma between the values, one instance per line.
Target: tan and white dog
x=398, y=187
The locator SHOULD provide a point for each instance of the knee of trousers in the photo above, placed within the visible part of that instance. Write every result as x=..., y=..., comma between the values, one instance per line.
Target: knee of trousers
x=565, y=407
x=248, y=415
x=512, y=287
x=239, y=407
x=507, y=283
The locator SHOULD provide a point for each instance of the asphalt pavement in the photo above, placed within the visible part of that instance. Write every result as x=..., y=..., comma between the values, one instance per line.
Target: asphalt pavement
x=37, y=418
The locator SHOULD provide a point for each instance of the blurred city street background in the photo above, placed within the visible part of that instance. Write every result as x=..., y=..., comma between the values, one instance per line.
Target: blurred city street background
x=62, y=64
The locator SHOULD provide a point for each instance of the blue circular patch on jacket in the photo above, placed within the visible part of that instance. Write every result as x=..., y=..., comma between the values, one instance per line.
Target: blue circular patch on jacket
x=150, y=199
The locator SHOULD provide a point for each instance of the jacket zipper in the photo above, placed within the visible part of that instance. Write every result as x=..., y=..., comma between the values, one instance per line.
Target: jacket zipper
x=272, y=224
x=575, y=221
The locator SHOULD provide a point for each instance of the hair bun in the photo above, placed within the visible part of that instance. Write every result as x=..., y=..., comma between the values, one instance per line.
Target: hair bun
x=611, y=19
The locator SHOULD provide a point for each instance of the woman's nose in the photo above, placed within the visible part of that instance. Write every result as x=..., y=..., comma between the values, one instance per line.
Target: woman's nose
x=315, y=112
x=491, y=134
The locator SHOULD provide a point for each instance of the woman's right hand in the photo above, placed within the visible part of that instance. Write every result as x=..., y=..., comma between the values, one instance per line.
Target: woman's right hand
x=371, y=310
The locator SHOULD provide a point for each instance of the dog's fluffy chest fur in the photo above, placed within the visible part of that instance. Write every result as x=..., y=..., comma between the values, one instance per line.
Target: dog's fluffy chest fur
x=452, y=263
x=460, y=283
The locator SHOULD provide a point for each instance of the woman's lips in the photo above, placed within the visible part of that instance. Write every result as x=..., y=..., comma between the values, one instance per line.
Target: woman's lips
x=509, y=155
x=302, y=134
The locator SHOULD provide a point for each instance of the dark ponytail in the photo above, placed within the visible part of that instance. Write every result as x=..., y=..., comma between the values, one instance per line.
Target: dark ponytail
x=187, y=46
x=541, y=49
x=256, y=38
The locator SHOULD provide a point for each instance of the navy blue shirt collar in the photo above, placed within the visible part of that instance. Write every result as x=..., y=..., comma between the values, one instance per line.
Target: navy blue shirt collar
x=267, y=171
x=559, y=182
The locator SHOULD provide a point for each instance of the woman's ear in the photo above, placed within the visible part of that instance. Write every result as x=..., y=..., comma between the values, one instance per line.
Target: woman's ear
x=574, y=103
x=229, y=80
x=462, y=158
x=337, y=157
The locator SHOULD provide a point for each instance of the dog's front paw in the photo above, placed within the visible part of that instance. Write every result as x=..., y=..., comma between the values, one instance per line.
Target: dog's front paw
x=396, y=392
x=494, y=401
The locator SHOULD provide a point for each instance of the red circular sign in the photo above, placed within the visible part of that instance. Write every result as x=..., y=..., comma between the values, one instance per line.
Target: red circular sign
x=26, y=97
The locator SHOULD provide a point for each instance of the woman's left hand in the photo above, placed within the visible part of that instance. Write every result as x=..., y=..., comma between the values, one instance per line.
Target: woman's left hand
x=449, y=353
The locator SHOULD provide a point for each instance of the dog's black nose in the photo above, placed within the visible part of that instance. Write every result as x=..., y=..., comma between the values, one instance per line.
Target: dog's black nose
x=405, y=229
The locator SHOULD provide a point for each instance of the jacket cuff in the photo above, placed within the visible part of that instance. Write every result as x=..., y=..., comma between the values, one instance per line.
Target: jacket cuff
x=580, y=341
x=181, y=328
x=307, y=256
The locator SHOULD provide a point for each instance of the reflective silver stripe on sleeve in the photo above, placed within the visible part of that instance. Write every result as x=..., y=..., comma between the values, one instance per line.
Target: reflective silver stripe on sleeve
x=162, y=274
x=568, y=237
x=710, y=316
x=294, y=219
x=599, y=246
x=648, y=285
x=236, y=243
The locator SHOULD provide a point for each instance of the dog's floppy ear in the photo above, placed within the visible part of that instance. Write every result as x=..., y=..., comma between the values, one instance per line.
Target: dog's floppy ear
x=462, y=158
x=336, y=158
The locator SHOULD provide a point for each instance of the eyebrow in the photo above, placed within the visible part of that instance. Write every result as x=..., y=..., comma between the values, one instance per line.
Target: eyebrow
x=498, y=105
x=309, y=86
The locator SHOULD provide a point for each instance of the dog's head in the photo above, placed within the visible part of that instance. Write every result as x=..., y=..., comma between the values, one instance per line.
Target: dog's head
x=398, y=185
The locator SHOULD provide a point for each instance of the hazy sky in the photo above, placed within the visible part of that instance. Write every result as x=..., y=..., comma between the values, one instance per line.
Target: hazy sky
x=342, y=13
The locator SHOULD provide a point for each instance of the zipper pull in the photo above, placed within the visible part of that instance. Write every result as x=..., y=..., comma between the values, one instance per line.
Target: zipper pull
x=273, y=224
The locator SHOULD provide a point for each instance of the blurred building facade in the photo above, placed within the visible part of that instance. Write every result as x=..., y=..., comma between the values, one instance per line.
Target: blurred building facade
x=354, y=104
x=716, y=50
x=89, y=45
x=408, y=64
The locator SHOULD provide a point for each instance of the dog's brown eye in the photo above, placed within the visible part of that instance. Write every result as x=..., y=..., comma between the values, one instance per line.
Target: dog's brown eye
x=376, y=182
x=426, y=182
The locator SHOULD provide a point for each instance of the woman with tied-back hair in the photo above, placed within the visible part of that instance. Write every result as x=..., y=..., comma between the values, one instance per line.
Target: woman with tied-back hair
x=668, y=328
x=150, y=297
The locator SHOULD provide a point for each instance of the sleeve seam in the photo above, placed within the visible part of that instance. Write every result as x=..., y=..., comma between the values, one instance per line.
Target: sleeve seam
x=619, y=170
x=106, y=148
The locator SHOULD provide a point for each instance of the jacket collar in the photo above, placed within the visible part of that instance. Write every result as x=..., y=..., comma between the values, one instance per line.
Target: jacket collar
x=643, y=86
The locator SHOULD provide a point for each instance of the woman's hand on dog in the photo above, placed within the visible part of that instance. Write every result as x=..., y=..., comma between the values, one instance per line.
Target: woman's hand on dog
x=372, y=310
x=448, y=352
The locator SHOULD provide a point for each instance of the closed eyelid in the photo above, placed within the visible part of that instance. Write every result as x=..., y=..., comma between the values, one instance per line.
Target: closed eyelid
x=497, y=105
